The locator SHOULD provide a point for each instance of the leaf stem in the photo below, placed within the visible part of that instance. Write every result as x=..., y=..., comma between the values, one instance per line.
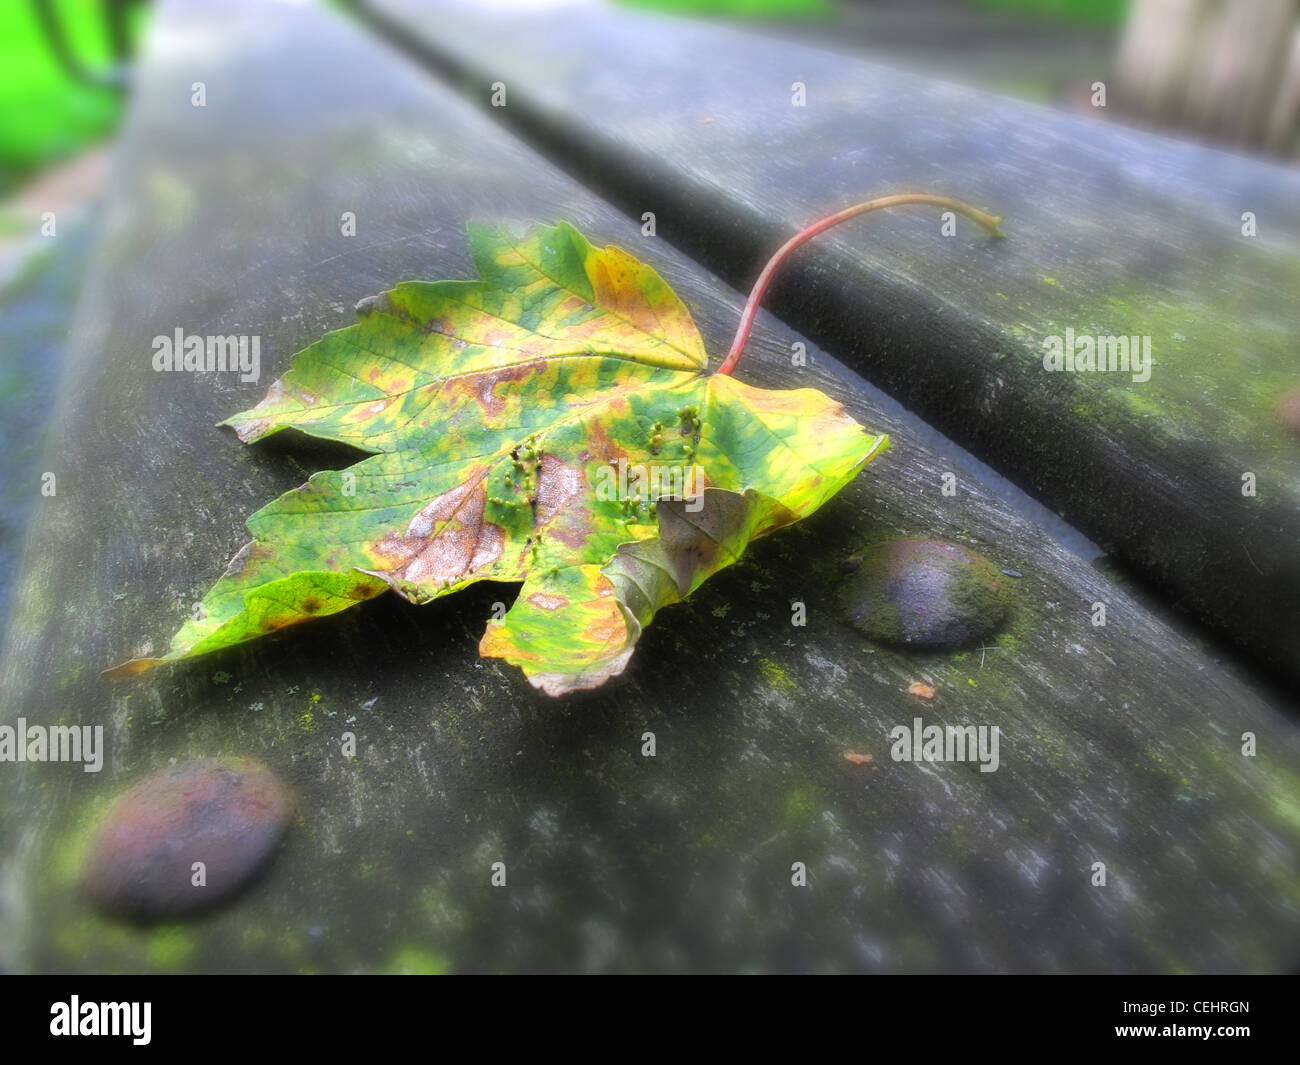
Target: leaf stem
x=982, y=218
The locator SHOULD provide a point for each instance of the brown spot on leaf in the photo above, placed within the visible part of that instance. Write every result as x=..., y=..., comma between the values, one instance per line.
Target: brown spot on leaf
x=491, y=546
x=560, y=488
x=548, y=602
x=446, y=539
x=608, y=627
x=241, y=559
x=489, y=387
x=570, y=304
x=601, y=445
x=615, y=281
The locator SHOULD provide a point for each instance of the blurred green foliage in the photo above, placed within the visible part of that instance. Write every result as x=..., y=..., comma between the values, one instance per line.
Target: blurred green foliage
x=1104, y=12
x=45, y=114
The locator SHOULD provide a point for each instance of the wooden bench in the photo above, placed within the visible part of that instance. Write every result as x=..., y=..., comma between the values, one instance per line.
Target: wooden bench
x=1120, y=745
x=1111, y=232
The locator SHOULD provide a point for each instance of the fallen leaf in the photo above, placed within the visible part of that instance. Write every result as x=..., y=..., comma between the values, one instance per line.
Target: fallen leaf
x=515, y=425
x=857, y=759
x=923, y=690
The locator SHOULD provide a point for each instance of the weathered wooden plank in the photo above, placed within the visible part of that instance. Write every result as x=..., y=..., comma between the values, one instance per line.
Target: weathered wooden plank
x=1120, y=744
x=1111, y=232
x=35, y=307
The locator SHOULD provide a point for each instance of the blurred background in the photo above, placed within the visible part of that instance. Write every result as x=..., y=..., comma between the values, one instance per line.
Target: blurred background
x=1223, y=71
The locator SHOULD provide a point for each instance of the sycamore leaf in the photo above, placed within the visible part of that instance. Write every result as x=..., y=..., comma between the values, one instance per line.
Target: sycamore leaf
x=550, y=424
